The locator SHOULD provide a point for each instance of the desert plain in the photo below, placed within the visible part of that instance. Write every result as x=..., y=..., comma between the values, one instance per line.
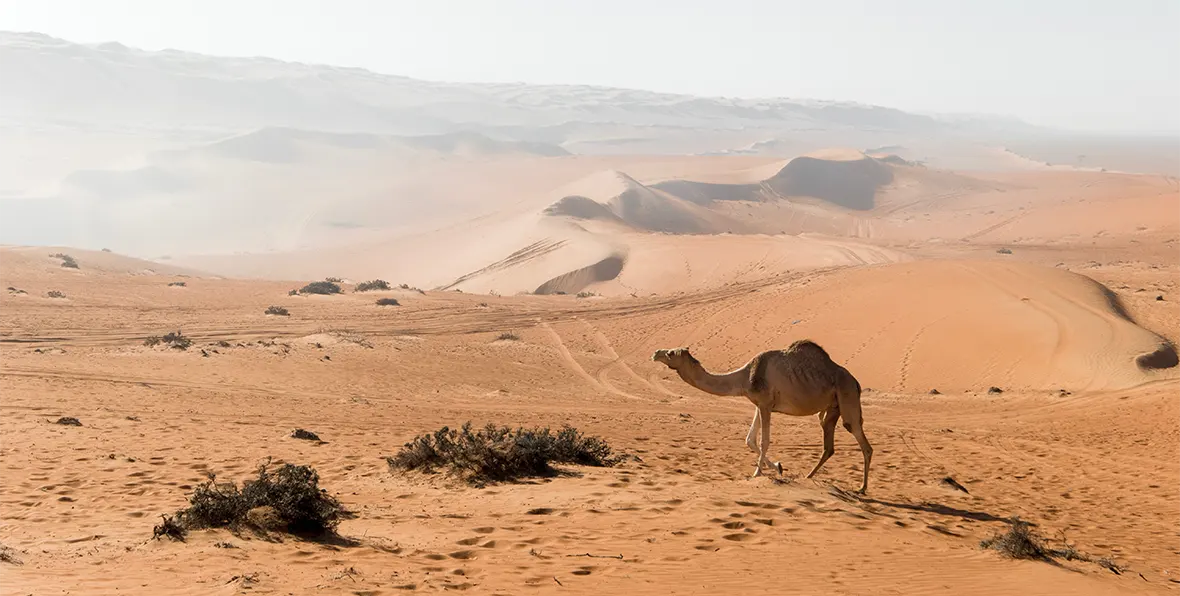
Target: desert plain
x=1013, y=326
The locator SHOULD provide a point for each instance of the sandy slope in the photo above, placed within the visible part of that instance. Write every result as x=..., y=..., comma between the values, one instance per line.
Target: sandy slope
x=1097, y=464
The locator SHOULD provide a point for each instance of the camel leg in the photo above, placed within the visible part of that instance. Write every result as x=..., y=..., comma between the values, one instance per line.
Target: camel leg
x=828, y=422
x=858, y=432
x=764, y=414
x=751, y=437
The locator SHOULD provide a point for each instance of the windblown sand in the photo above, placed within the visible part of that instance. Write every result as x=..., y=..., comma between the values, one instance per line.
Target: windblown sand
x=1083, y=440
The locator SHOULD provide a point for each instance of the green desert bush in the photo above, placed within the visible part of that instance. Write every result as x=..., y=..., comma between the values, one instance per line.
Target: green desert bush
x=500, y=454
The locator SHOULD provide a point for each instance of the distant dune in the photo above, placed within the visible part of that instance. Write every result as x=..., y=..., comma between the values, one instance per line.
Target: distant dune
x=847, y=182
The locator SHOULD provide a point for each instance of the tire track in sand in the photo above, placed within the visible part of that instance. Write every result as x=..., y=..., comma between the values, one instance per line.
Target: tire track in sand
x=577, y=369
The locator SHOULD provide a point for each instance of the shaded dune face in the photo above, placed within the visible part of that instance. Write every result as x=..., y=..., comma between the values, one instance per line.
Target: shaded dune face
x=850, y=184
x=578, y=279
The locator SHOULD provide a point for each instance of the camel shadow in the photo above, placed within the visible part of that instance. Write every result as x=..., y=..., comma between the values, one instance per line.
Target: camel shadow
x=923, y=507
x=938, y=509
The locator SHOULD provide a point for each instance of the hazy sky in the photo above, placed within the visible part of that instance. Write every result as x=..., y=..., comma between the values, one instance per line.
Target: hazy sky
x=1080, y=64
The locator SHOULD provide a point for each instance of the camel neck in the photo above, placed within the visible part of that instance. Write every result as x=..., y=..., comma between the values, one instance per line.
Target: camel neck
x=730, y=383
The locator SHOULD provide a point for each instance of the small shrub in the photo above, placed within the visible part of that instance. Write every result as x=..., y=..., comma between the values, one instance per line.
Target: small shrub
x=508, y=336
x=321, y=287
x=278, y=311
x=293, y=293
x=306, y=435
x=292, y=493
x=585, y=294
x=1019, y=542
x=169, y=527
x=55, y=294
x=497, y=454
x=8, y=555
x=994, y=390
x=410, y=288
x=172, y=339
x=1004, y=251
x=388, y=302
x=369, y=286
x=68, y=421
x=177, y=284
x=334, y=280
x=66, y=260
x=12, y=290
x=106, y=250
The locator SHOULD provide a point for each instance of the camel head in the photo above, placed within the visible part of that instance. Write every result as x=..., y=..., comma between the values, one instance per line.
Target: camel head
x=673, y=359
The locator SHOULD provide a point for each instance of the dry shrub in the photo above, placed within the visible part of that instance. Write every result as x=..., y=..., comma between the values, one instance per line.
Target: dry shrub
x=388, y=302
x=508, y=336
x=325, y=287
x=1019, y=542
x=68, y=421
x=278, y=311
x=499, y=454
x=177, y=284
x=173, y=339
x=306, y=435
x=369, y=286
x=299, y=505
x=66, y=260
x=55, y=294
x=8, y=555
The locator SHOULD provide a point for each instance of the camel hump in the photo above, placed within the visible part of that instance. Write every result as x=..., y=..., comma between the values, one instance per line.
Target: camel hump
x=806, y=347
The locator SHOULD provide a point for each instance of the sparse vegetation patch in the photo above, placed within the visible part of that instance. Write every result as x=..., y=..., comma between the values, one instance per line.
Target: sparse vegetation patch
x=1004, y=251
x=369, y=286
x=68, y=421
x=1019, y=542
x=55, y=294
x=66, y=260
x=499, y=454
x=388, y=302
x=508, y=336
x=306, y=435
x=12, y=290
x=8, y=555
x=286, y=499
x=586, y=294
x=177, y=284
x=174, y=339
x=277, y=311
x=325, y=287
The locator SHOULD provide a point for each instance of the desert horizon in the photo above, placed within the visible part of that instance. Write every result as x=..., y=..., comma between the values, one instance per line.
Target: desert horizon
x=276, y=326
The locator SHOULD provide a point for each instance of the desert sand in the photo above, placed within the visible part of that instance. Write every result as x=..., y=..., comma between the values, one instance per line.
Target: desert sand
x=908, y=292
x=1010, y=306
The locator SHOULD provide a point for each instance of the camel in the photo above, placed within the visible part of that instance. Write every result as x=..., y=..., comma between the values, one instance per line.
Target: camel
x=799, y=381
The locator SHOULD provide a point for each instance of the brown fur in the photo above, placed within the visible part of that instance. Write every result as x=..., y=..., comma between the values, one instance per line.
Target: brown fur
x=800, y=381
